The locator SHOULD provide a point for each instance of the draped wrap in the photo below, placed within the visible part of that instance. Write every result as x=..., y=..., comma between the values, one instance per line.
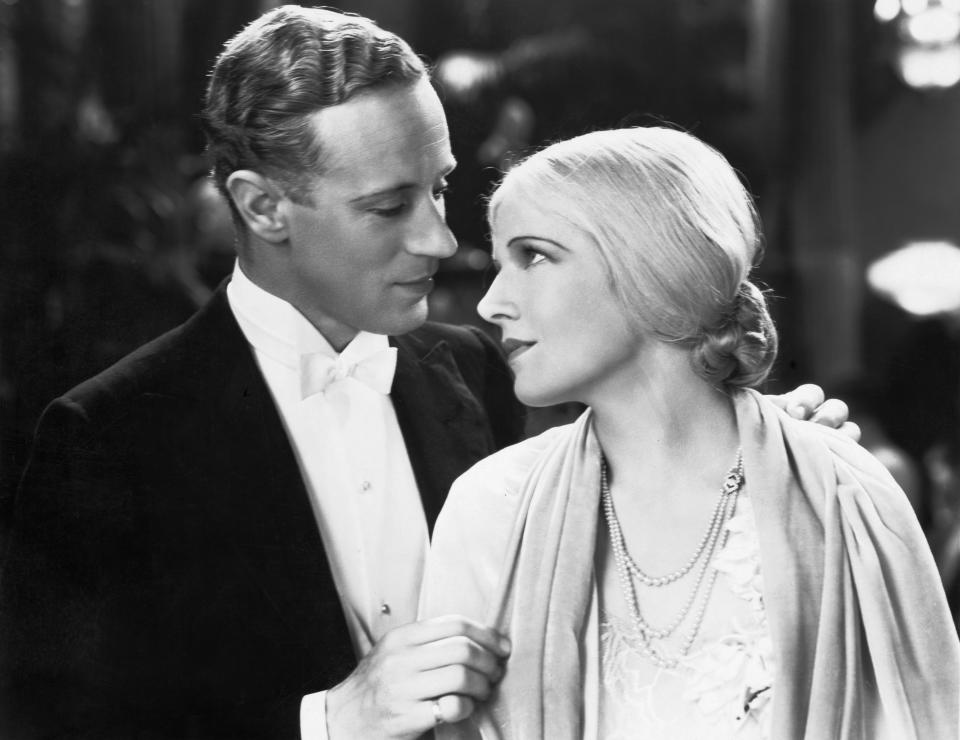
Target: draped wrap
x=863, y=638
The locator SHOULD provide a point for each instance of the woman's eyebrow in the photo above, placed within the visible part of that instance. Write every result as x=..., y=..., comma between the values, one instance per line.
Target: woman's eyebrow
x=537, y=239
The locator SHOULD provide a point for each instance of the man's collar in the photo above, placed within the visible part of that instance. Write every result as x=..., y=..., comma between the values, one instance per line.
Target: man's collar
x=274, y=327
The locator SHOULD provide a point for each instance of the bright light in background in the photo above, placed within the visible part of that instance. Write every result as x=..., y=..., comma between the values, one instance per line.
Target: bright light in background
x=886, y=10
x=923, y=278
x=913, y=7
x=461, y=72
x=926, y=52
x=936, y=26
x=927, y=69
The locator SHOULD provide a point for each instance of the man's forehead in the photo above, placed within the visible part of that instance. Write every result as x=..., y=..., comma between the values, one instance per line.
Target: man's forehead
x=384, y=134
x=385, y=147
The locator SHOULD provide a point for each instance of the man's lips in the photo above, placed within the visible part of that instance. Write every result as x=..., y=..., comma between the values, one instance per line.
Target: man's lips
x=515, y=347
x=423, y=284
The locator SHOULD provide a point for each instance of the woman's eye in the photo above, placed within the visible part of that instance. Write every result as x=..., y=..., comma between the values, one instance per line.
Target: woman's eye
x=441, y=191
x=533, y=257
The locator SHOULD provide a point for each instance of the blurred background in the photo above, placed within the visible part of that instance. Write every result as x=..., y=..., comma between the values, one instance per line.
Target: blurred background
x=842, y=115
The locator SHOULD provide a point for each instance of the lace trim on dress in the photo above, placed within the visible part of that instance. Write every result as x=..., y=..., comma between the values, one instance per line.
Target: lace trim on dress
x=722, y=689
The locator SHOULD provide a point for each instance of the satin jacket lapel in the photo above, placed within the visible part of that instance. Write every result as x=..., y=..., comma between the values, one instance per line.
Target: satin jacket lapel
x=442, y=422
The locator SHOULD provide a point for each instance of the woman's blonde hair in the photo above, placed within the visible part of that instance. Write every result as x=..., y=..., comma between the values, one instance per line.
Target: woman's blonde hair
x=678, y=233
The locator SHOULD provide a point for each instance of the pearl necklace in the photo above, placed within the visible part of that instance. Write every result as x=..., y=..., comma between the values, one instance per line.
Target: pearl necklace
x=627, y=569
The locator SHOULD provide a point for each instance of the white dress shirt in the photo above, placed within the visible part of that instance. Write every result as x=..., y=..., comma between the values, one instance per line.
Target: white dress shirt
x=354, y=464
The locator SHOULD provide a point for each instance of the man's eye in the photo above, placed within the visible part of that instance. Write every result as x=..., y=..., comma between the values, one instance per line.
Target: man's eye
x=389, y=211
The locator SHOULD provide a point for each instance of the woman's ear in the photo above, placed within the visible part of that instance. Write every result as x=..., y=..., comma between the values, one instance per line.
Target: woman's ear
x=257, y=199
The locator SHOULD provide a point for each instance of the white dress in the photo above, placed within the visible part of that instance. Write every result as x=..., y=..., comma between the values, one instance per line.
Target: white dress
x=865, y=647
x=721, y=690
x=702, y=699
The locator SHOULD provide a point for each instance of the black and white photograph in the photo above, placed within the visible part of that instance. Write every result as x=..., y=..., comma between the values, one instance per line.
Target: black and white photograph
x=480, y=370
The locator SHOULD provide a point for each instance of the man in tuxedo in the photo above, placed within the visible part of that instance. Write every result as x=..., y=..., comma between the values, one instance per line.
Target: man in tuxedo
x=210, y=532
x=222, y=535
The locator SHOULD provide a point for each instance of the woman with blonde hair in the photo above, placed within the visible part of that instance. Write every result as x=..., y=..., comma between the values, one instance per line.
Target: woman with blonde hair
x=685, y=560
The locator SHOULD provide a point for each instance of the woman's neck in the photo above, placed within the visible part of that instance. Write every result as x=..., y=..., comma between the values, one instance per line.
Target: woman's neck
x=665, y=422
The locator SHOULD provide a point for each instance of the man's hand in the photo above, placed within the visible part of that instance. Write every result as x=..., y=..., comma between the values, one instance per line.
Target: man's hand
x=452, y=661
x=807, y=402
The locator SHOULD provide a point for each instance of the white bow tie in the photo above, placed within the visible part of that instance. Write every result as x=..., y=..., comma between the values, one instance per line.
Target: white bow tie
x=319, y=371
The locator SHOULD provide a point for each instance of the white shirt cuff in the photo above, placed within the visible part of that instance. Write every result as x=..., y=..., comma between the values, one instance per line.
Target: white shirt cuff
x=313, y=716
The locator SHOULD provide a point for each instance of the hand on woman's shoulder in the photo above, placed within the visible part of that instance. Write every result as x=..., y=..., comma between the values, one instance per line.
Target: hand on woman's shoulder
x=852, y=464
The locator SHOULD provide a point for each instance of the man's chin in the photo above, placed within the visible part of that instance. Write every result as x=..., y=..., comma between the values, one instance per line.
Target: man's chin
x=411, y=319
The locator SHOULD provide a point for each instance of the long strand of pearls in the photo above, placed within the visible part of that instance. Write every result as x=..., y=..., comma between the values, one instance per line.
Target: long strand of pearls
x=628, y=571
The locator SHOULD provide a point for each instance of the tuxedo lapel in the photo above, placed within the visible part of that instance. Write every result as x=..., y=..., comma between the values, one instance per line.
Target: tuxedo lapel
x=263, y=503
x=442, y=423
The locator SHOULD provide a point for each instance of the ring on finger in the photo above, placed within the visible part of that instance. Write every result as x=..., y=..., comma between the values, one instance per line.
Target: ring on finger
x=437, y=713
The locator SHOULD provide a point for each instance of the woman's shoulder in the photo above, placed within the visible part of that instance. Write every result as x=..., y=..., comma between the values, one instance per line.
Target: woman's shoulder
x=473, y=532
x=816, y=447
x=486, y=497
x=844, y=451
x=504, y=472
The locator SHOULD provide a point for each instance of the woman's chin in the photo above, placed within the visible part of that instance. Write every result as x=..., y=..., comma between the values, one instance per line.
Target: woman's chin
x=537, y=396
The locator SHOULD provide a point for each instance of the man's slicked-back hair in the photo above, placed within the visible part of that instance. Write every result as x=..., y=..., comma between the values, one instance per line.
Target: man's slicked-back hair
x=278, y=71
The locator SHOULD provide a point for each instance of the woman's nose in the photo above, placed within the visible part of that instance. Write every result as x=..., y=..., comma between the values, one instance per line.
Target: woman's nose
x=495, y=306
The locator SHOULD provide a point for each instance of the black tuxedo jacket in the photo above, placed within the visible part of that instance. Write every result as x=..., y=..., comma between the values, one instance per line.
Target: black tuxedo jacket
x=164, y=576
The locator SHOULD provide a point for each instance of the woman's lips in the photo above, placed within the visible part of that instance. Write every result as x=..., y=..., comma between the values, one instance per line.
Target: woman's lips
x=515, y=347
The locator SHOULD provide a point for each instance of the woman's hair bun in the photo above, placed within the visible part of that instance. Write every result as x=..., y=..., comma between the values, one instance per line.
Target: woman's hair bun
x=741, y=348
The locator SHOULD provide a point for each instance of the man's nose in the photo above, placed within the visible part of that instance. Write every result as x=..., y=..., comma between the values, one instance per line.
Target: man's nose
x=430, y=236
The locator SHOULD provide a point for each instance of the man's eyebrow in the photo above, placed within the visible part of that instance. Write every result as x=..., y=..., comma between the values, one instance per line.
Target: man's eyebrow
x=396, y=187
x=529, y=238
x=390, y=189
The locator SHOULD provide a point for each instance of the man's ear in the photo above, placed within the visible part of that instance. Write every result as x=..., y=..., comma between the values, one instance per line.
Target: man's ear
x=257, y=199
